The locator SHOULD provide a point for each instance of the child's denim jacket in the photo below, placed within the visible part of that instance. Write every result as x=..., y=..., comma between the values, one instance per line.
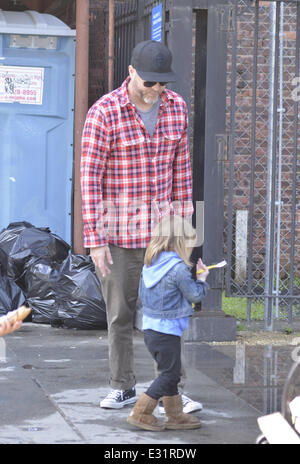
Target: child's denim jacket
x=170, y=295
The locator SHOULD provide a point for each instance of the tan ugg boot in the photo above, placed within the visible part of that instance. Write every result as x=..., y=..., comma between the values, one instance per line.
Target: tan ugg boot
x=141, y=416
x=177, y=419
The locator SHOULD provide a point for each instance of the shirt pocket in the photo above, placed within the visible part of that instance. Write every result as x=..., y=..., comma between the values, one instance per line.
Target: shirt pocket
x=168, y=144
x=172, y=136
x=131, y=138
x=130, y=145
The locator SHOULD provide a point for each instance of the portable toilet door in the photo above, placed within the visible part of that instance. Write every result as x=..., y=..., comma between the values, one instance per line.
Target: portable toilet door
x=37, y=74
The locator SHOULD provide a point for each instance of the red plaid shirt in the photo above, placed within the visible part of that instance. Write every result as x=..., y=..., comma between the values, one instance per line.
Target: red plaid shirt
x=128, y=178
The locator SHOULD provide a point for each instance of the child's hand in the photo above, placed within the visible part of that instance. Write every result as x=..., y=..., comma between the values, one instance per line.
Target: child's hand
x=7, y=327
x=204, y=272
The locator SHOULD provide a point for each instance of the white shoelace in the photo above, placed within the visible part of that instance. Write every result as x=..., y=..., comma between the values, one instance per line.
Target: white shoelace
x=114, y=394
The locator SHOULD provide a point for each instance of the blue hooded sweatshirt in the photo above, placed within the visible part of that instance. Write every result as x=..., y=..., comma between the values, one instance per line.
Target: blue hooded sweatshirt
x=152, y=275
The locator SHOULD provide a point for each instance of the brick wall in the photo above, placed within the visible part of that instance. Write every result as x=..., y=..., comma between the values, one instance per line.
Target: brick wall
x=243, y=133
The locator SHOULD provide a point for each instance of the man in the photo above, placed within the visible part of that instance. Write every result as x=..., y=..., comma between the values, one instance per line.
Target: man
x=135, y=168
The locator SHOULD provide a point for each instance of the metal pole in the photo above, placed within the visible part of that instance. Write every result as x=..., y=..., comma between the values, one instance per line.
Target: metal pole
x=280, y=111
x=252, y=175
x=294, y=176
x=268, y=308
x=111, y=45
x=231, y=154
x=81, y=107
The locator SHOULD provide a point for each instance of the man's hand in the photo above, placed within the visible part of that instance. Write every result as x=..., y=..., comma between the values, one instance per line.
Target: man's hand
x=100, y=257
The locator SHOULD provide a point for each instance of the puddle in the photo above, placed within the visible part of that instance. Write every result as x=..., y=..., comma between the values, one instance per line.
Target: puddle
x=256, y=374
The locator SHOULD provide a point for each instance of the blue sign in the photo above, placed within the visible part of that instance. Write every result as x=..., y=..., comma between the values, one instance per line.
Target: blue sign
x=156, y=23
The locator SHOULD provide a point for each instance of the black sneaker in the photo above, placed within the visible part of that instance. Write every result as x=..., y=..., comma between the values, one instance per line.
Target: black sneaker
x=117, y=399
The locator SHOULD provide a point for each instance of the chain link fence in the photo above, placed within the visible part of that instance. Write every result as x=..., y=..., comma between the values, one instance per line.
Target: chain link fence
x=262, y=227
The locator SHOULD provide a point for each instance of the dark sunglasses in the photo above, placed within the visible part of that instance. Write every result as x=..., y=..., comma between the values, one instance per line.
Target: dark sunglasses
x=151, y=84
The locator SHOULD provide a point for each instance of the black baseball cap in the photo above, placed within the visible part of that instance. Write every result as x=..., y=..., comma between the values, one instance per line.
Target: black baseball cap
x=152, y=61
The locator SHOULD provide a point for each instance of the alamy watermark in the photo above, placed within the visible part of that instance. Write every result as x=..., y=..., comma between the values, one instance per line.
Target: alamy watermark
x=136, y=219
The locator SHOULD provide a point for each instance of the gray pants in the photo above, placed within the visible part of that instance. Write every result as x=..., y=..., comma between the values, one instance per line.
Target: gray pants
x=120, y=293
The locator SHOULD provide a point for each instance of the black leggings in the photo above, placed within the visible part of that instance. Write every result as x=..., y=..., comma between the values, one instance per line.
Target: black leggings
x=165, y=350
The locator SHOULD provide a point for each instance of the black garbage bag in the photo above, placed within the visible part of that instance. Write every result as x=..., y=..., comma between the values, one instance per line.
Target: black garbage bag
x=81, y=303
x=21, y=244
x=11, y=296
x=66, y=294
x=40, y=283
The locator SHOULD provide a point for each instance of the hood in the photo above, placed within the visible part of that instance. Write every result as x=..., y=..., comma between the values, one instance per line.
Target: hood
x=154, y=273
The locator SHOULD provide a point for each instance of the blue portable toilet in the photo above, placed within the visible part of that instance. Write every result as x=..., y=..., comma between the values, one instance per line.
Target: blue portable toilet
x=37, y=74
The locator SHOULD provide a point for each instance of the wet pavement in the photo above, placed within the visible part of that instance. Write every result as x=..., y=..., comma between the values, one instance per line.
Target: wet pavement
x=52, y=379
x=255, y=374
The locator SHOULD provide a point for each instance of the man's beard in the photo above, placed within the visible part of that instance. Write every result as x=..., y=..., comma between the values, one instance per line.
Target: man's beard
x=150, y=100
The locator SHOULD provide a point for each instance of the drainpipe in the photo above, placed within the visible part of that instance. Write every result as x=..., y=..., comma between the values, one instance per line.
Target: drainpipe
x=280, y=111
x=111, y=54
x=268, y=306
x=81, y=108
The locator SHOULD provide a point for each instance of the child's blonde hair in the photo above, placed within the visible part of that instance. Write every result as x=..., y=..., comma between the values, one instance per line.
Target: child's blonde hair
x=172, y=233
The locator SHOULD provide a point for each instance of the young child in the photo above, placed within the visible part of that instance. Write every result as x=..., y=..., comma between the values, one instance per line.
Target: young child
x=167, y=291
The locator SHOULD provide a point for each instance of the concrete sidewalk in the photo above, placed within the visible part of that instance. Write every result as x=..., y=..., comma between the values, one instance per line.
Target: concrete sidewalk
x=51, y=381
